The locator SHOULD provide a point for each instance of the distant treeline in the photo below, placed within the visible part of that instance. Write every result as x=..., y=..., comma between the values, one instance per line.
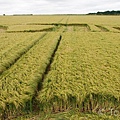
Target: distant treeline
x=106, y=13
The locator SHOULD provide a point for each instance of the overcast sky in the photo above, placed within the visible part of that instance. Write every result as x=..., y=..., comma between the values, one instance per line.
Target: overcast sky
x=56, y=6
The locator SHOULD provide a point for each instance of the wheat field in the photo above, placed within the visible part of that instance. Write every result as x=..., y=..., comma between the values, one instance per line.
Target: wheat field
x=60, y=66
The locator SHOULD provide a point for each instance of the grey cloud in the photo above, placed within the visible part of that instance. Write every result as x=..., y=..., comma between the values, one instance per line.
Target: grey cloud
x=56, y=6
x=57, y=1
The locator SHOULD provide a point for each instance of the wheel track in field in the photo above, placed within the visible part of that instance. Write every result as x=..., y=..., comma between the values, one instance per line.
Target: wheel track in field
x=49, y=65
x=51, y=59
x=10, y=64
x=48, y=68
x=103, y=29
x=40, y=84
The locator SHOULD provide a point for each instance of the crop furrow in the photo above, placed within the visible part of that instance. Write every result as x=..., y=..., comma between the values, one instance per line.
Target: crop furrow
x=32, y=31
x=118, y=28
x=9, y=58
x=51, y=60
x=103, y=29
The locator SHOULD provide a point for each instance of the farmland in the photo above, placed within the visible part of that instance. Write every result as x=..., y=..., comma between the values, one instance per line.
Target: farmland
x=65, y=67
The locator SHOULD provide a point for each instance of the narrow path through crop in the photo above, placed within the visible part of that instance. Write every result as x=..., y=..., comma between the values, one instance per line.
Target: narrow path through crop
x=17, y=57
x=40, y=84
x=103, y=29
x=51, y=61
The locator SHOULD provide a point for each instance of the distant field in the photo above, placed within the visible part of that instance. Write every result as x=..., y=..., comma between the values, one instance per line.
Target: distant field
x=51, y=66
